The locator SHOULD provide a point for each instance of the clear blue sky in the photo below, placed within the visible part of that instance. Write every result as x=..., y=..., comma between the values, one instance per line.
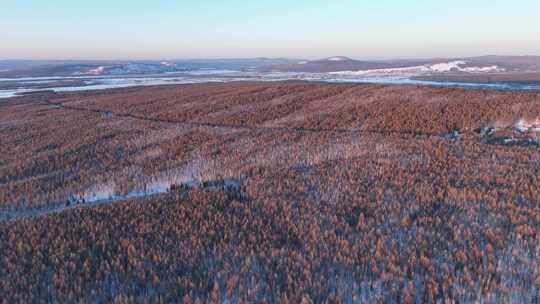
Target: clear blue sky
x=136, y=29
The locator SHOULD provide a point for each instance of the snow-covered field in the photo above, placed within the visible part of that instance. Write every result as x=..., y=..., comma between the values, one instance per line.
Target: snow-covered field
x=337, y=58
x=452, y=66
x=96, y=71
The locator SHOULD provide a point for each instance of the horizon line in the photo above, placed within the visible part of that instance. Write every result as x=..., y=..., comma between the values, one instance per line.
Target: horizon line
x=262, y=58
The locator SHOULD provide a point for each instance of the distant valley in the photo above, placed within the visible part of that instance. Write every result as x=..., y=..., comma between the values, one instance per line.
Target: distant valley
x=18, y=77
x=482, y=68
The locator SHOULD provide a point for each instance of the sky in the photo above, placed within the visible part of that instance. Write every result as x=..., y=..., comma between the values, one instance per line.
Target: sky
x=383, y=29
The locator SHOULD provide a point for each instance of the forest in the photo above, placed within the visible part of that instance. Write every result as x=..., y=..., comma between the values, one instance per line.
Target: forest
x=276, y=192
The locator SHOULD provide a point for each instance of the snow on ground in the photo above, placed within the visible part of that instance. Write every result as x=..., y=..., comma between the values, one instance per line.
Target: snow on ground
x=303, y=62
x=106, y=193
x=97, y=193
x=456, y=66
x=487, y=69
x=96, y=71
x=403, y=75
x=337, y=58
x=524, y=126
x=398, y=72
x=445, y=67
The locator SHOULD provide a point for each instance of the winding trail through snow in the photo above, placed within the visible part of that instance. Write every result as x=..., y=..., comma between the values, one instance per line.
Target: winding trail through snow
x=20, y=213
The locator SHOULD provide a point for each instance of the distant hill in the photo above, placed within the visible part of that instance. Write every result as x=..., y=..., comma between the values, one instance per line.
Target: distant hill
x=485, y=68
x=465, y=65
x=48, y=68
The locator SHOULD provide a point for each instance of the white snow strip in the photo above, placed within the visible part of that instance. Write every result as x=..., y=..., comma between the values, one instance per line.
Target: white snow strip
x=445, y=67
x=456, y=66
x=488, y=69
x=336, y=59
x=96, y=71
x=524, y=126
x=396, y=72
x=166, y=63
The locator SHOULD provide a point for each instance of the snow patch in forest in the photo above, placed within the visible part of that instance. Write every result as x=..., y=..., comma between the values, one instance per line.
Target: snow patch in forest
x=96, y=193
x=524, y=125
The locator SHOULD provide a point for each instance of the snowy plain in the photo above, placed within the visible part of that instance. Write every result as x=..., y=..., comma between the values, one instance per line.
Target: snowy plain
x=397, y=76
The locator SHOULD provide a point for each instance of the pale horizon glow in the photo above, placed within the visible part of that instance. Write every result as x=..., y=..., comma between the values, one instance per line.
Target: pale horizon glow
x=130, y=30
